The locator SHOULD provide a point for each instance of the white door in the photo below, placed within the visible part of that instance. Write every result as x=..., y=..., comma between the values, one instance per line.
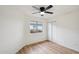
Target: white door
x=49, y=31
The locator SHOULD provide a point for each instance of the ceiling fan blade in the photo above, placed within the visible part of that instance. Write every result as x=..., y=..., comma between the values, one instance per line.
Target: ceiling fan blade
x=35, y=12
x=50, y=6
x=49, y=12
x=36, y=8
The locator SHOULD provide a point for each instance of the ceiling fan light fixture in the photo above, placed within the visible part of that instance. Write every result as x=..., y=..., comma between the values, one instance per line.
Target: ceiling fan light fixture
x=42, y=13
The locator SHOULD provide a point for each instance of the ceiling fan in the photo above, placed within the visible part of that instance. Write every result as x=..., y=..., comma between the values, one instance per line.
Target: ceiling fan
x=43, y=10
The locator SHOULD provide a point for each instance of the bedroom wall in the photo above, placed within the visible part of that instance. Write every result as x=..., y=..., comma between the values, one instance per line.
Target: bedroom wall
x=35, y=37
x=66, y=30
x=14, y=30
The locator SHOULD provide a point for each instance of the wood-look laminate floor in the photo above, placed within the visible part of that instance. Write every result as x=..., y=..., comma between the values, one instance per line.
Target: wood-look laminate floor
x=46, y=47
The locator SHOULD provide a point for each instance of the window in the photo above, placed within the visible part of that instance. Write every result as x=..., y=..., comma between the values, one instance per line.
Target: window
x=36, y=27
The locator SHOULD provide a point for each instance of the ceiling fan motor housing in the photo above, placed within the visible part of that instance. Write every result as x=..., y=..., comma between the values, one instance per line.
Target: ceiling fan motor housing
x=42, y=9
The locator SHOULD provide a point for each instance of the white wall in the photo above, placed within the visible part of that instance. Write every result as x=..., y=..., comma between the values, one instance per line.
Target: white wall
x=14, y=30
x=66, y=30
x=11, y=30
x=35, y=37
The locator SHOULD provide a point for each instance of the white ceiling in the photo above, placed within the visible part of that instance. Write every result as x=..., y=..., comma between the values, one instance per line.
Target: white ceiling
x=57, y=9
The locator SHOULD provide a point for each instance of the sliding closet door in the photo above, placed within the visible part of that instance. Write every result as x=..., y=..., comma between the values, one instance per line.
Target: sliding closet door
x=52, y=30
x=49, y=31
